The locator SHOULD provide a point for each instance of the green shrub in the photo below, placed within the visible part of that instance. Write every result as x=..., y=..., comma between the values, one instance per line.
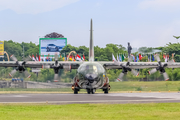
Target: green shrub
x=178, y=88
x=138, y=89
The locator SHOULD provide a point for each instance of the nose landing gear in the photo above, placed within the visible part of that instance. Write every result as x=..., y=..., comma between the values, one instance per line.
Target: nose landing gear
x=91, y=91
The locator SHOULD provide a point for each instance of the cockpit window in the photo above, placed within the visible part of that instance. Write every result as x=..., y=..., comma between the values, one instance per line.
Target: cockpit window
x=97, y=68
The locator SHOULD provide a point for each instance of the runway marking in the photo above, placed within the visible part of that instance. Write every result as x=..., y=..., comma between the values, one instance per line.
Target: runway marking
x=145, y=95
x=14, y=96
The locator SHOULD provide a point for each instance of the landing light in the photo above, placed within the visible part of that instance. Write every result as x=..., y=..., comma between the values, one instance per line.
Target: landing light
x=72, y=87
x=109, y=87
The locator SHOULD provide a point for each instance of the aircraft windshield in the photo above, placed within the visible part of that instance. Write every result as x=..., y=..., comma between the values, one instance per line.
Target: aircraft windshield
x=91, y=67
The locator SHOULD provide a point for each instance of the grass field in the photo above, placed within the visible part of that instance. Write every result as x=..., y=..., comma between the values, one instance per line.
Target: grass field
x=150, y=111
x=165, y=86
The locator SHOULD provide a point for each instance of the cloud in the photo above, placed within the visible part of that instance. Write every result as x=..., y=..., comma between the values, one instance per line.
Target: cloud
x=33, y=6
x=156, y=36
x=169, y=5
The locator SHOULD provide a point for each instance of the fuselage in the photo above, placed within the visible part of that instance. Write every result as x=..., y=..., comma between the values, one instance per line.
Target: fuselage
x=91, y=75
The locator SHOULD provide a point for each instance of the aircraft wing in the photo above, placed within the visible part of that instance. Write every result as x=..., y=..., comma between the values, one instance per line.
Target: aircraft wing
x=133, y=65
x=72, y=64
x=137, y=65
x=33, y=64
x=8, y=64
x=76, y=64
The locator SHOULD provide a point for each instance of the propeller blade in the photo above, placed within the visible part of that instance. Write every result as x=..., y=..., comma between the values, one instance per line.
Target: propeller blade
x=134, y=72
x=27, y=74
x=12, y=57
x=157, y=57
x=27, y=59
x=152, y=71
x=56, y=57
x=166, y=78
x=56, y=77
x=120, y=76
x=12, y=72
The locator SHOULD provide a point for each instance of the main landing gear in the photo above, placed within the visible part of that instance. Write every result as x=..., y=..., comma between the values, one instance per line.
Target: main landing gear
x=91, y=91
x=76, y=91
x=106, y=90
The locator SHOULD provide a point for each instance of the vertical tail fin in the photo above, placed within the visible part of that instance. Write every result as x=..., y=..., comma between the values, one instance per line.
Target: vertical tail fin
x=91, y=45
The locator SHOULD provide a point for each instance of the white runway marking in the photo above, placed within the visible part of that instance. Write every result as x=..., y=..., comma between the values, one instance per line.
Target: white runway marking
x=147, y=95
x=2, y=96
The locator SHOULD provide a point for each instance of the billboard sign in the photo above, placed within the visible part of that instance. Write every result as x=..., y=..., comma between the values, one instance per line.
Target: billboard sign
x=51, y=46
x=1, y=48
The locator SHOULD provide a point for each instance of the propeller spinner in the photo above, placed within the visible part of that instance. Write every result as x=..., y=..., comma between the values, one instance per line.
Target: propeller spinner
x=126, y=68
x=20, y=66
x=161, y=68
x=56, y=66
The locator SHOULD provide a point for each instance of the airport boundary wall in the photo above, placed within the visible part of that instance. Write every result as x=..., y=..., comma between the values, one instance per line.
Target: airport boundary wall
x=31, y=84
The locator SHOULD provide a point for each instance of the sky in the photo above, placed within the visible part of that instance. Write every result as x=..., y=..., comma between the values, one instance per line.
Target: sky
x=143, y=23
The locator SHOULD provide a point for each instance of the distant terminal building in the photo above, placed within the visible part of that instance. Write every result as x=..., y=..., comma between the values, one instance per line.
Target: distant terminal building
x=51, y=44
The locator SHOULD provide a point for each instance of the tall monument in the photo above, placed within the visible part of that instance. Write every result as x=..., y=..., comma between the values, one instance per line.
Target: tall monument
x=129, y=49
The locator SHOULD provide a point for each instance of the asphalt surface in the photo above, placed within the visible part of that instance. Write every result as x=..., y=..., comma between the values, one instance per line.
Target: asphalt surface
x=91, y=98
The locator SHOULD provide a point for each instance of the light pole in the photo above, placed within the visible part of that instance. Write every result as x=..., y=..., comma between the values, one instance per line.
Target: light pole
x=23, y=52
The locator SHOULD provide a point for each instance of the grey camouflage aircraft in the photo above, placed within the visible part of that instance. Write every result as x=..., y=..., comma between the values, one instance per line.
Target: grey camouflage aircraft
x=91, y=75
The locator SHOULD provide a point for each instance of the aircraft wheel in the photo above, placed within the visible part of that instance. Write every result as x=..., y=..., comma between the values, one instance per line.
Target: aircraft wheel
x=88, y=91
x=93, y=91
x=106, y=91
x=76, y=91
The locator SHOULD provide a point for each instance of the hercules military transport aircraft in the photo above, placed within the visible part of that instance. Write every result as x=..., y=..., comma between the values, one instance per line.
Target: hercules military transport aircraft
x=91, y=75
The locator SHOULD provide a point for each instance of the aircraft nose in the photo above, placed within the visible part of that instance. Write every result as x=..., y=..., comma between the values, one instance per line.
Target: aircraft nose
x=91, y=77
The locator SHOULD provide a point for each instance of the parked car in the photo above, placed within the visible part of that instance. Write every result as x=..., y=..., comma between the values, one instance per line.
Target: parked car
x=52, y=47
